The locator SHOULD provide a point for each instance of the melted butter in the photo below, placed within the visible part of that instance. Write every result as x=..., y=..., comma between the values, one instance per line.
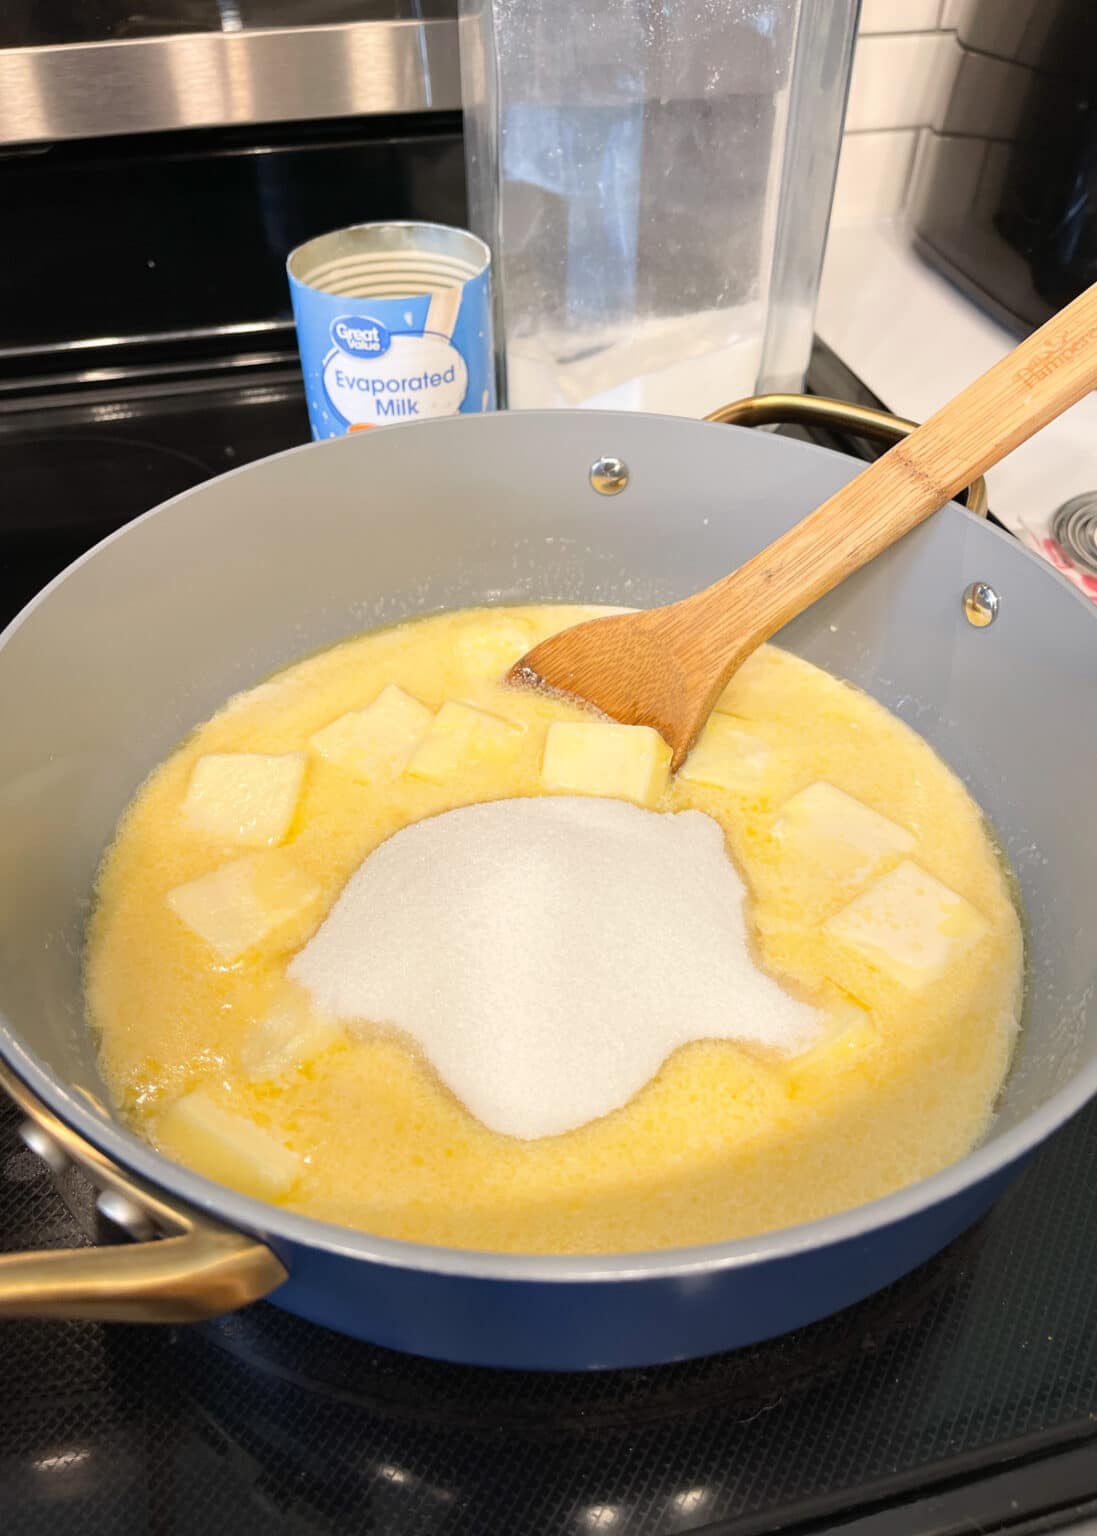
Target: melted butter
x=722, y=1141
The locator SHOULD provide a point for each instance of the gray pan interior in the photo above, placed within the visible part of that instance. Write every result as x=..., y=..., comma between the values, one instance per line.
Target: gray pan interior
x=144, y=637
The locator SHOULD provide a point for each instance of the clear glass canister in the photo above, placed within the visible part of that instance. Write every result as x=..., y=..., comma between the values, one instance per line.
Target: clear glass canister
x=654, y=179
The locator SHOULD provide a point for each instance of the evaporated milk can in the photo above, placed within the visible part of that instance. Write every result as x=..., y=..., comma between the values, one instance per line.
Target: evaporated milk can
x=393, y=324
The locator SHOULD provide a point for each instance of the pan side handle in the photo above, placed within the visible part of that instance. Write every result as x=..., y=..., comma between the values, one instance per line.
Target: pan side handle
x=835, y=415
x=185, y=1267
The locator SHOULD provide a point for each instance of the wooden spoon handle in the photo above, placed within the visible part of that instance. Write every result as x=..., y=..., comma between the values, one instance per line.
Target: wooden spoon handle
x=1048, y=372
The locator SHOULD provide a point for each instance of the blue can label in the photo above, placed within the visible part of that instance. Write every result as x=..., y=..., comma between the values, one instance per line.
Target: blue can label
x=408, y=373
x=373, y=362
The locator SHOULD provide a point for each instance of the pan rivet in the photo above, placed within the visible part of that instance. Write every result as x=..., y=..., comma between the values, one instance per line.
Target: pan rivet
x=609, y=475
x=43, y=1145
x=980, y=604
x=125, y=1213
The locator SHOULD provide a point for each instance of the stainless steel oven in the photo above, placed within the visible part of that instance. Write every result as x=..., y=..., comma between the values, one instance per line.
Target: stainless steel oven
x=159, y=158
x=122, y=66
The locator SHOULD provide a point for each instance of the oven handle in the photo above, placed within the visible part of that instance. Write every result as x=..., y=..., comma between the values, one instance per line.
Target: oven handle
x=185, y=1267
x=838, y=415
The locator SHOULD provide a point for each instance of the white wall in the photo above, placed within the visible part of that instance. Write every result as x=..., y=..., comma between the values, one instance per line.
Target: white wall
x=903, y=73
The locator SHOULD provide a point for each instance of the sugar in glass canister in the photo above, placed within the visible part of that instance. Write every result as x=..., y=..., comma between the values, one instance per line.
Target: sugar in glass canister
x=654, y=179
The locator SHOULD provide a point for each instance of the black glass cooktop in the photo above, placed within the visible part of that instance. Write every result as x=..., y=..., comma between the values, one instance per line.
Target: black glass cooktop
x=962, y=1399
x=70, y=473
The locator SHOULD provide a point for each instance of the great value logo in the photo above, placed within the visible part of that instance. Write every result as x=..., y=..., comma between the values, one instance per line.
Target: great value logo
x=360, y=336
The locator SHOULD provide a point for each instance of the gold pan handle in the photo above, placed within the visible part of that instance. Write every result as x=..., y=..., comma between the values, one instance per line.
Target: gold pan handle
x=834, y=415
x=198, y=1268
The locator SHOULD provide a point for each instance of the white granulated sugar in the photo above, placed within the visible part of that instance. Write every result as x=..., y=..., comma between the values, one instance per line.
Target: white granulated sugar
x=549, y=954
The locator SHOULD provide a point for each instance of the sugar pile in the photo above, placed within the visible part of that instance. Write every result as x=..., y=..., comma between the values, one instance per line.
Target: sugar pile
x=549, y=954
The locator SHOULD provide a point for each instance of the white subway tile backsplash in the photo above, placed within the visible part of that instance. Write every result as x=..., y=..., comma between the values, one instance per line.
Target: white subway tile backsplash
x=952, y=168
x=1010, y=29
x=955, y=13
x=900, y=15
x=963, y=176
x=901, y=81
x=873, y=175
x=904, y=86
x=987, y=100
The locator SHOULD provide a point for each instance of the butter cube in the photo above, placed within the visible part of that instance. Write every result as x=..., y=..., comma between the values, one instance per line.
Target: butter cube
x=749, y=694
x=375, y=742
x=844, y=1035
x=829, y=829
x=244, y=797
x=908, y=924
x=462, y=737
x=622, y=762
x=293, y=1032
x=725, y=757
x=489, y=646
x=238, y=905
x=227, y=1147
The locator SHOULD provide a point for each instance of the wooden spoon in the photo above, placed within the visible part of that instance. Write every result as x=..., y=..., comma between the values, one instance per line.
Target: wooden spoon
x=666, y=667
